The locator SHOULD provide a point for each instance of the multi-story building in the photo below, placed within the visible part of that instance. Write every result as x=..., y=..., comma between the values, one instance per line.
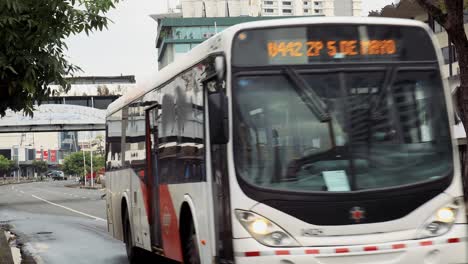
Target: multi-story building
x=193, y=21
x=232, y=8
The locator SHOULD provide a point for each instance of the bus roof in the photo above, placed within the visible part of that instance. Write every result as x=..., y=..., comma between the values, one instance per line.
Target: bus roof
x=222, y=41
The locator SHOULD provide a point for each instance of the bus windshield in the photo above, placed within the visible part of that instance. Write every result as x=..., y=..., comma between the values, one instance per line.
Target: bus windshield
x=340, y=131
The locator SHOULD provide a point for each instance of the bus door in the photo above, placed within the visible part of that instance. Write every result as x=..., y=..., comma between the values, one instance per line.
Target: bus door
x=152, y=168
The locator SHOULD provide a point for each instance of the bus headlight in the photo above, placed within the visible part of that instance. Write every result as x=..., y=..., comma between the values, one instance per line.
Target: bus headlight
x=265, y=231
x=442, y=220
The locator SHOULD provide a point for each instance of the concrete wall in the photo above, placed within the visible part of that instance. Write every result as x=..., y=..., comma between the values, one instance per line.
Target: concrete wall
x=343, y=7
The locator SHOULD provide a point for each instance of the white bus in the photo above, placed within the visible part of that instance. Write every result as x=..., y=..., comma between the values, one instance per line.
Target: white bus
x=303, y=140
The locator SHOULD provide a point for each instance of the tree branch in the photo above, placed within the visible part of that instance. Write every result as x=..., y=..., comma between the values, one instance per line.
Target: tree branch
x=434, y=11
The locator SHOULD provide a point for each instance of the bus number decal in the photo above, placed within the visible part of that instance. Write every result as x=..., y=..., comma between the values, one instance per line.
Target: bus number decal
x=292, y=48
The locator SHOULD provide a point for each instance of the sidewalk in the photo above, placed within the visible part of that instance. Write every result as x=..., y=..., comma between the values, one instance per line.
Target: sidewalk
x=5, y=251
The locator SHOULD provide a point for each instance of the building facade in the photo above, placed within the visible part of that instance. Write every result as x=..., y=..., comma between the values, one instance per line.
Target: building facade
x=233, y=8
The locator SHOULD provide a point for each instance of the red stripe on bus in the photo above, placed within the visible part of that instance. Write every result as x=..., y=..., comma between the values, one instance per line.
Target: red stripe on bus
x=425, y=243
x=282, y=252
x=146, y=199
x=252, y=254
x=453, y=240
x=312, y=251
x=169, y=225
x=342, y=250
x=398, y=246
x=370, y=248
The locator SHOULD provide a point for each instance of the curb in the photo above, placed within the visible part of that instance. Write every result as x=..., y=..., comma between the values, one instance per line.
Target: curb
x=90, y=188
x=83, y=187
x=11, y=183
x=5, y=250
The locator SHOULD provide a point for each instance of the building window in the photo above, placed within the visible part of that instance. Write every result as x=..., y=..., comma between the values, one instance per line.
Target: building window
x=437, y=27
x=306, y=10
x=446, y=54
x=316, y=3
x=268, y=10
x=306, y=3
x=287, y=11
x=268, y=2
x=287, y=3
x=316, y=11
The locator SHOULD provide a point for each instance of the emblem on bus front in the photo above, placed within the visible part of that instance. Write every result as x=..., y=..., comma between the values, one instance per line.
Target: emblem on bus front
x=312, y=232
x=357, y=214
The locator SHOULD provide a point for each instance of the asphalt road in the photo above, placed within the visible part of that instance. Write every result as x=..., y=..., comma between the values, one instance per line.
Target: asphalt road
x=58, y=224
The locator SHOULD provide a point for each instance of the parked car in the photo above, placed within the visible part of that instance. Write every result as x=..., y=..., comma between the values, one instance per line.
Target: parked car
x=58, y=176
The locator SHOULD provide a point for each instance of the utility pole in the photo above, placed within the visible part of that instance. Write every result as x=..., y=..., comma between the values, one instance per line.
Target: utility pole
x=84, y=163
x=16, y=154
x=92, y=176
x=17, y=164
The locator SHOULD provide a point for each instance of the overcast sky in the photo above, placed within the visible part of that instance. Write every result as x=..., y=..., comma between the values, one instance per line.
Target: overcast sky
x=128, y=46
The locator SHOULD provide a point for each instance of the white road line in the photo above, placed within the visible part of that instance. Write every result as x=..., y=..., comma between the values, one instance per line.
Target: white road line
x=21, y=192
x=69, y=209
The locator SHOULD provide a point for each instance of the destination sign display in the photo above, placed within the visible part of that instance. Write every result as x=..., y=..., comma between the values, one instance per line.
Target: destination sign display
x=331, y=43
x=332, y=48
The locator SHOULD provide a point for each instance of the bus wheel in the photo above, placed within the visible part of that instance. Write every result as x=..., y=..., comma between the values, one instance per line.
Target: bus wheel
x=191, y=252
x=132, y=252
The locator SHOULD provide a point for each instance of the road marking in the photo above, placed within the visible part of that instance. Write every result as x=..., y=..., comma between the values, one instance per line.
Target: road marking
x=21, y=192
x=69, y=209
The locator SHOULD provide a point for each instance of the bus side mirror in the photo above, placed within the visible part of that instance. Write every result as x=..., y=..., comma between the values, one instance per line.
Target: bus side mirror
x=218, y=111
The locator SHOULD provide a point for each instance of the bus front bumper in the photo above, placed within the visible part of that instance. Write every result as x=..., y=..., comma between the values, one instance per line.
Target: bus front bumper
x=447, y=249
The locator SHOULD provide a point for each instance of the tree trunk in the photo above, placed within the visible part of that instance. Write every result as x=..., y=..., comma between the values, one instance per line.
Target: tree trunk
x=461, y=45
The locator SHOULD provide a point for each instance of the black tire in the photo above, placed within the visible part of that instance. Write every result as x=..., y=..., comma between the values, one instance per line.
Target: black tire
x=190, y=246
x=133, y=253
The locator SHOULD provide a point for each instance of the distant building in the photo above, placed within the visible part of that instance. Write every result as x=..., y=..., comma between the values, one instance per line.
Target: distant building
x=90, y=91
x=177, y=35
x=233, y=8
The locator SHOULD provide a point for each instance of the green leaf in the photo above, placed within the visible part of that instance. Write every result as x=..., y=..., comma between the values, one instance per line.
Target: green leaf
x=32, y=46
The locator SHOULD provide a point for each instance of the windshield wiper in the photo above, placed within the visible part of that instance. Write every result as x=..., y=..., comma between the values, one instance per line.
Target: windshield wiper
x=308, y=96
